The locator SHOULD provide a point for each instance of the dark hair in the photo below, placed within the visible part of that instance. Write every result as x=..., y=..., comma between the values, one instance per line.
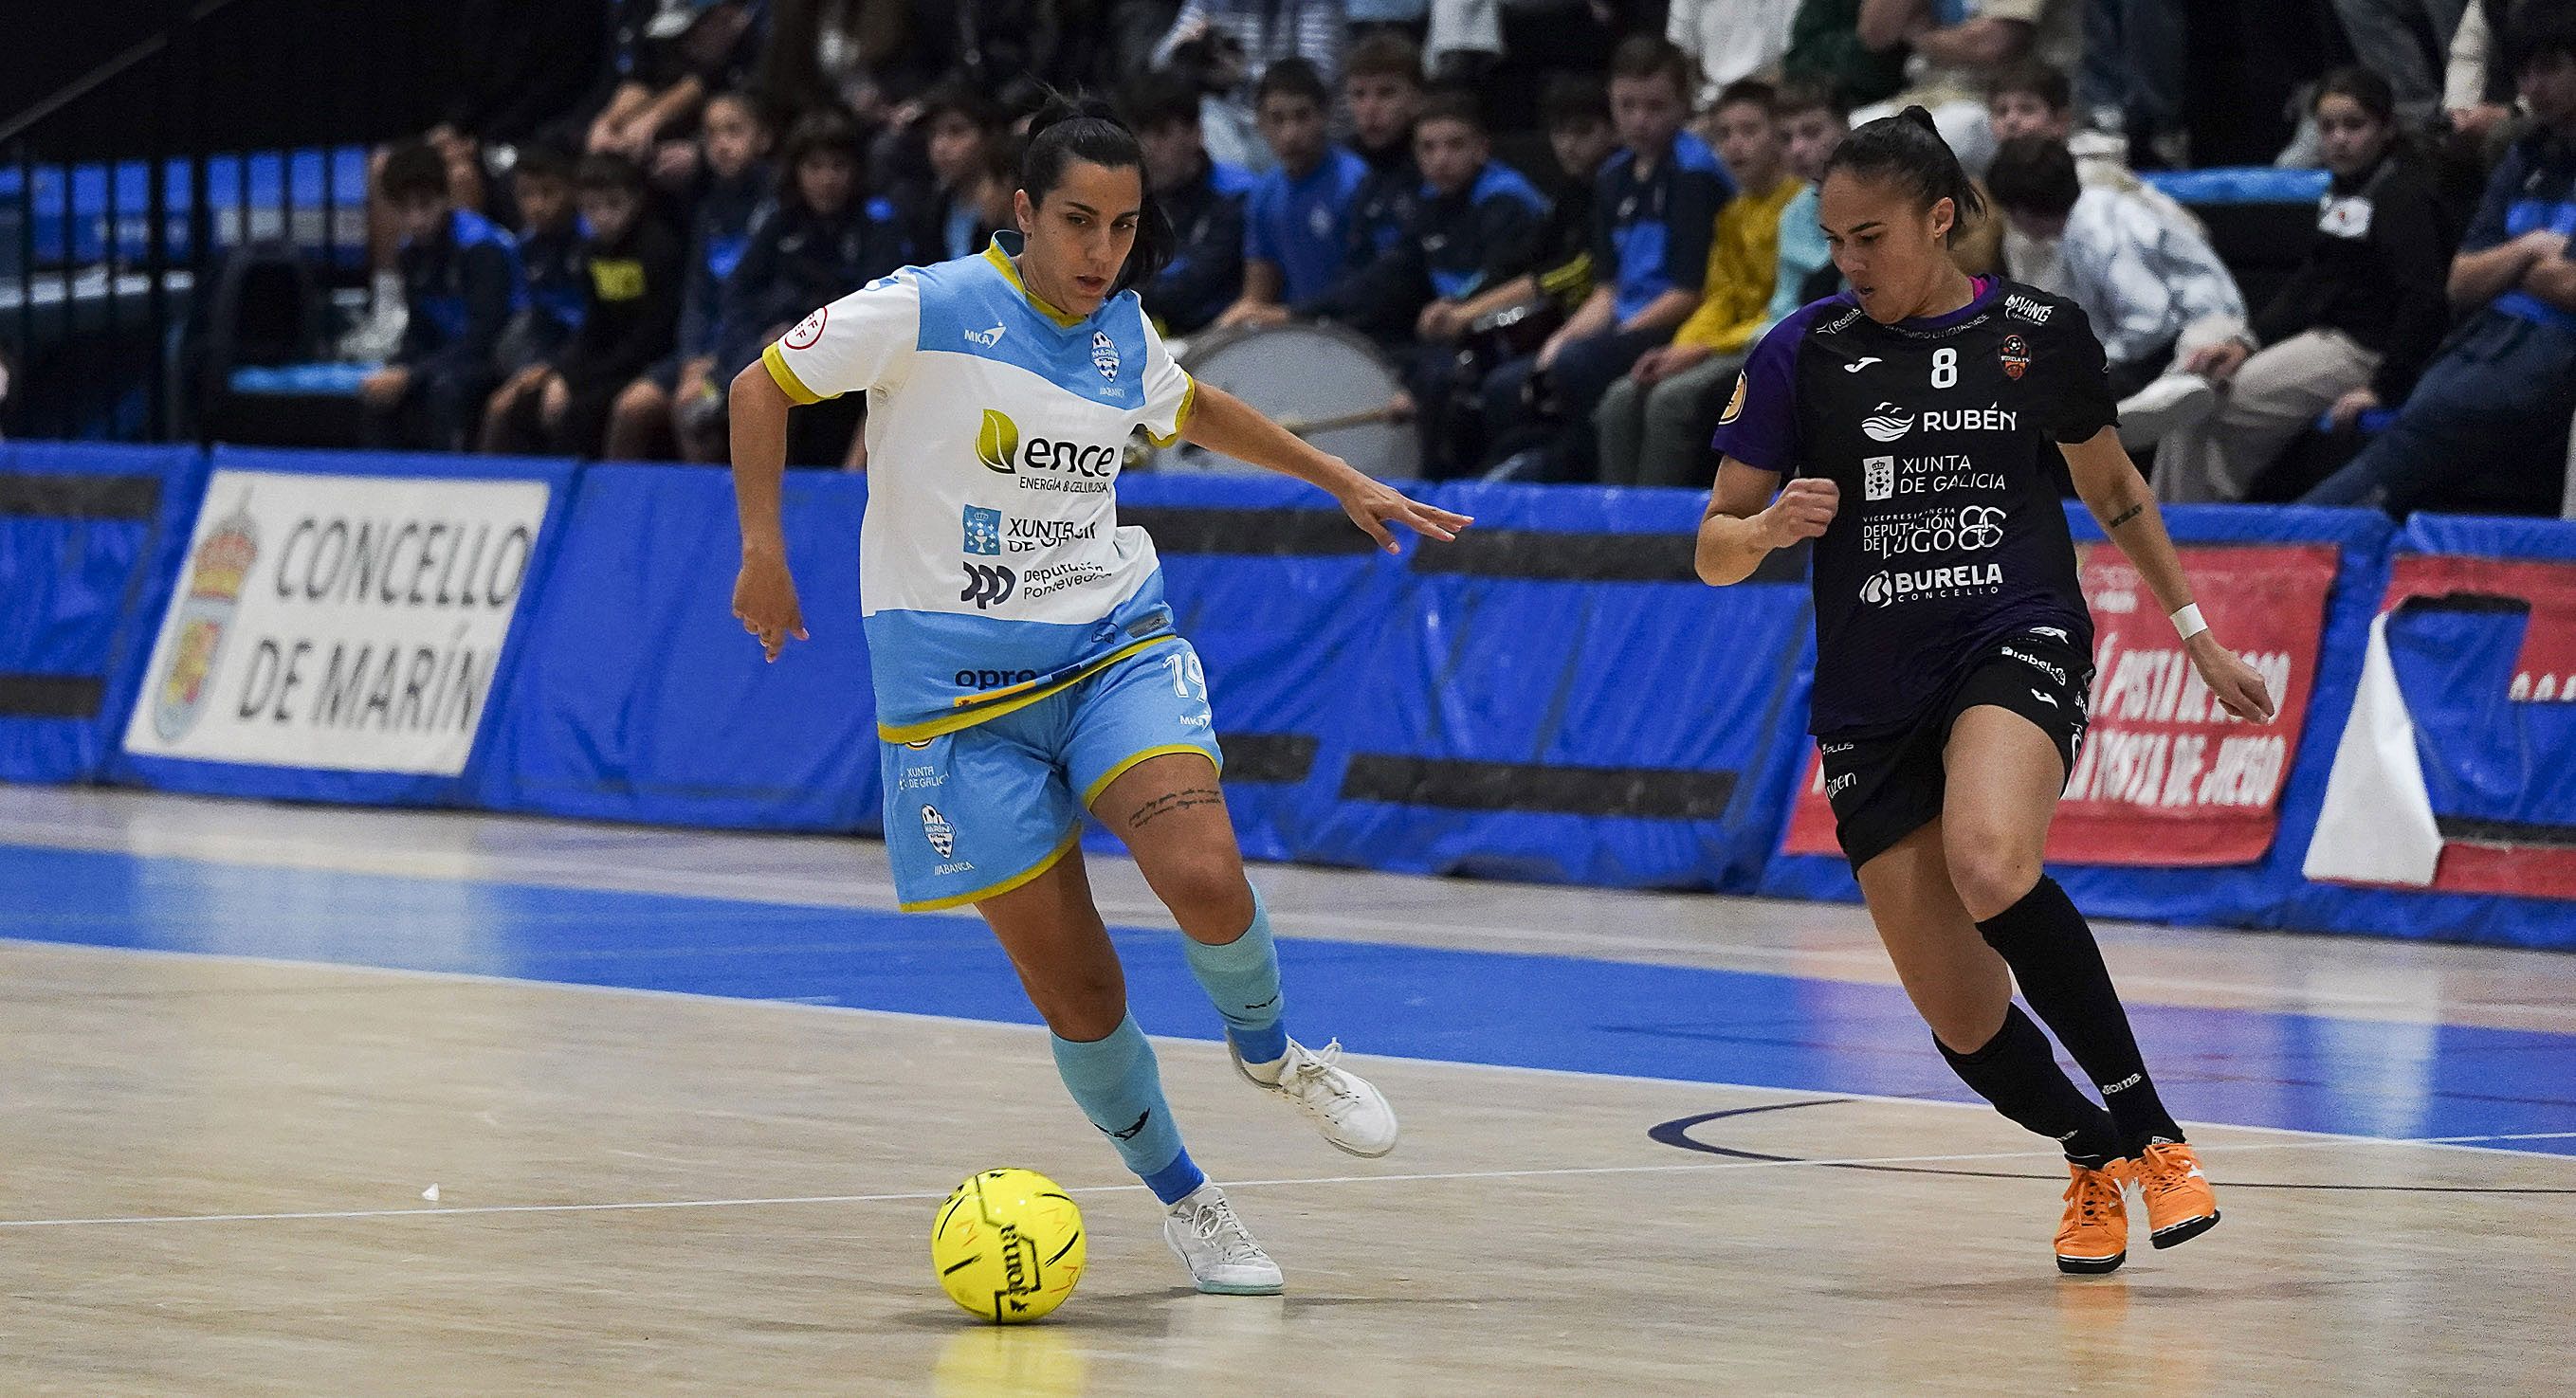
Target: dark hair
x=544, y=160
x=1383, y=54
x=2034, y=175
x=1069, y=129
x=1907, y=148
x=2030, y=77
x=413, y=169
x=2537, y=31
x=1809, y=95
x=1292, y=77
x=1158, y=100
x=2368, y=91
x=1751, y=92
x=610, y=170
x=1451, y=104
x=824, y=129
x=959, y=98
x=1652, y=56
x=1573, y=99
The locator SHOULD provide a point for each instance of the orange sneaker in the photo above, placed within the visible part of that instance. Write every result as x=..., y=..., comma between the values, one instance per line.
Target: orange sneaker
x=2094, y=1235
x=2180, y=1204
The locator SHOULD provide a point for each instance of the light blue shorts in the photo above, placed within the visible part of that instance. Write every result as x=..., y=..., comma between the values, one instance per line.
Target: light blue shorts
x=973, y=814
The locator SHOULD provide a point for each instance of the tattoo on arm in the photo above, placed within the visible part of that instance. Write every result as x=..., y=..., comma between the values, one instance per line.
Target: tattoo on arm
x=1165, y=804
x=2124, y=517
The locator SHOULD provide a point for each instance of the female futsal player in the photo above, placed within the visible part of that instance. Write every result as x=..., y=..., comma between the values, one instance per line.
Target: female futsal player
x=1023, y=658
x=1917, y=415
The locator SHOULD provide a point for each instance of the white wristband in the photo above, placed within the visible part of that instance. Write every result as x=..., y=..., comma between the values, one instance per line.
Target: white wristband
x=2189, y=623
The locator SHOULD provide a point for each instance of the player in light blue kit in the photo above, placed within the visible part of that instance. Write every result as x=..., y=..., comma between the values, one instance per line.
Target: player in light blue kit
x=1024, y=660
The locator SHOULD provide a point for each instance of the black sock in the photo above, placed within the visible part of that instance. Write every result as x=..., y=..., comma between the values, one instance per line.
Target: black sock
x=2052, y=953
x=2019, y=1074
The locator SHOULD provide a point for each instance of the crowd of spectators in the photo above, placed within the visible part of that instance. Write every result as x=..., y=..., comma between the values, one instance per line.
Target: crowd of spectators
x=1562, y=223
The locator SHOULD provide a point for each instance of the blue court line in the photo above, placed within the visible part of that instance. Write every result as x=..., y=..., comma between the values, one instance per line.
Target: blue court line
x=2304, y=1072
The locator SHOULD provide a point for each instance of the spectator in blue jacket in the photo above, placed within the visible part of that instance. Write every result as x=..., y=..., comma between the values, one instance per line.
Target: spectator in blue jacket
x=1203, y=200
x=461, y=285
x=2487, y=425
x=1654, y=214
x=549, y=236
x=822, y=238
x=667, y=404
x=1296, y=233
x=1382, y=86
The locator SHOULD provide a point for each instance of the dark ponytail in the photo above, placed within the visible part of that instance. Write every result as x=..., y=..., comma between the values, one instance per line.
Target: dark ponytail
x=1068, y=129
x=1907, y=149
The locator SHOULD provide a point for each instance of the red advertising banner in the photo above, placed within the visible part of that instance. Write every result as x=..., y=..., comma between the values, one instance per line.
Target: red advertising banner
x=2165, y=777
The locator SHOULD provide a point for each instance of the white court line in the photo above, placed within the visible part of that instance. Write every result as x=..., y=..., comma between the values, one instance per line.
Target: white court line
x=1675, y=1167
x=2462, y=1143
x=873, y=894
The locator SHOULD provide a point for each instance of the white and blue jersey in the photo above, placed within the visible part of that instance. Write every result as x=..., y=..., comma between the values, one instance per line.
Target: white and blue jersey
x=994, y=578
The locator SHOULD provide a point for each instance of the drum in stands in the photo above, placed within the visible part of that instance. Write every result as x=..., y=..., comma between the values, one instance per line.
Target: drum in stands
x=1326, y=384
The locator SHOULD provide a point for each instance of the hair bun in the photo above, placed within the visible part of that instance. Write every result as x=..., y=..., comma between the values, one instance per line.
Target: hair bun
x=1918, y=116
x=1062, y=107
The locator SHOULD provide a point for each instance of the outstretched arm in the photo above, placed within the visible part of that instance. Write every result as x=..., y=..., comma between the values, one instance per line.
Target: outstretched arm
x=1221, y=422
x=2126, y=508
x=764, y=593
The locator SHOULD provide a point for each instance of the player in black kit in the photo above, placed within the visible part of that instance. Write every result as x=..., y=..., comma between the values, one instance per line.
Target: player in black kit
x=1920, y=418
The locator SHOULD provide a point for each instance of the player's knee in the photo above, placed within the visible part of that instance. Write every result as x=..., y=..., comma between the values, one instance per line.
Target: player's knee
x=1990, y=871
x=1081, y=1008
x=1207, y=894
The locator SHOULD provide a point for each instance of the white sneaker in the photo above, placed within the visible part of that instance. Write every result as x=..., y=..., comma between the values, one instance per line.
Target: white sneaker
x=1353, y=1116
x=2165, y=406
x=1216, y=1247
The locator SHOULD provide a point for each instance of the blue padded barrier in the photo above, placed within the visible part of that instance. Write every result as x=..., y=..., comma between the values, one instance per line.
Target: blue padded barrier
x=639, y=696
x=84, y=561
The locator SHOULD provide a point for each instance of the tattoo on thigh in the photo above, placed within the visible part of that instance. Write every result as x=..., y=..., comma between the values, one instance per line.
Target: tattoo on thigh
x=1165, y=804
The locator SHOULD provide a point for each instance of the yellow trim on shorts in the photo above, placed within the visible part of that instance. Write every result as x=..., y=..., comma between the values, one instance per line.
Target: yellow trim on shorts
x=1181, y=419
x=1014, y=698
x=794, y=387
x=1063, y=847
x=1133, y=760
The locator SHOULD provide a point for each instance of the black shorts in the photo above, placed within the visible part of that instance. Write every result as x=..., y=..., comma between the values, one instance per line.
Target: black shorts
x=1885, y=787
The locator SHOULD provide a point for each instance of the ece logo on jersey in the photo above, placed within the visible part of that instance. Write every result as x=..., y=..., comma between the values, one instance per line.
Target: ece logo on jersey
x=1888, y=589
x=1051, y=463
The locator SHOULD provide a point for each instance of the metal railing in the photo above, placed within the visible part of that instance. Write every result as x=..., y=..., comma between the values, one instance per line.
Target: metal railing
x=104, y=261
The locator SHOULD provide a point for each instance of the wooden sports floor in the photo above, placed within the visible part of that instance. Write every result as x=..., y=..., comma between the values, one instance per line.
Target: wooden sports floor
x=687, y=1101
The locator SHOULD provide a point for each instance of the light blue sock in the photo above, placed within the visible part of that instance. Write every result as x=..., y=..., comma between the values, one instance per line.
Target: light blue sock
x=1242, y=978
x=1118, y=1086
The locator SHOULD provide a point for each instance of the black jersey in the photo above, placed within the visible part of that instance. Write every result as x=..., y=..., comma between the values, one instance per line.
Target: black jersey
x=1942, y=434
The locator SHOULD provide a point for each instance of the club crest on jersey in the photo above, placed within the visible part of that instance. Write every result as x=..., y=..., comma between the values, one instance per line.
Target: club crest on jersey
x=936, y=829
x=1734, y=405
x=1104, y=354
x=2015, y=355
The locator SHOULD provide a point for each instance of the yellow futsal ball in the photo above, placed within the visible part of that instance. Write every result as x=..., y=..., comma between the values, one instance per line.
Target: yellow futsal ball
x=1008, y=1245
